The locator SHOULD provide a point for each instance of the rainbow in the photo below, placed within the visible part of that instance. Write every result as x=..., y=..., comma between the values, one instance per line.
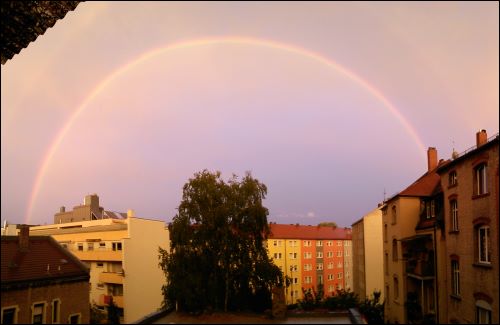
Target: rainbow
x=120, y=71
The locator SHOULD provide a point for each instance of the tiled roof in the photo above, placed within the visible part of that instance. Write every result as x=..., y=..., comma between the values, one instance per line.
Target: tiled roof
x=24, y=21
x=427, y=185
x=44, y=259
x=308, y=232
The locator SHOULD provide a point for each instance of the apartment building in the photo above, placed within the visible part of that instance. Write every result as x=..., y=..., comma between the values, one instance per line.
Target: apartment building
x=123, y=258
x=367, y=252
x=470, y=188
x=414, y=248
x=42, y=283
x=312, y=256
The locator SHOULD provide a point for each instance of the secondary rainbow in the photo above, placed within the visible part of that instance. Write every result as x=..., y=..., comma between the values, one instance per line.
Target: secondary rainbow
x=292, y=49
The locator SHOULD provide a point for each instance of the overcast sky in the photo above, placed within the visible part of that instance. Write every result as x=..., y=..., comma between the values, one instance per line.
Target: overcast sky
x=329, y=104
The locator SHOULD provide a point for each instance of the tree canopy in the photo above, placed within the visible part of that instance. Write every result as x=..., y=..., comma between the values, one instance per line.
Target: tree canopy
x=218, y=257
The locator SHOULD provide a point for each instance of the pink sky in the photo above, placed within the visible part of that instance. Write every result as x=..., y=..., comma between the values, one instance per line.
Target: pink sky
x=325, y=146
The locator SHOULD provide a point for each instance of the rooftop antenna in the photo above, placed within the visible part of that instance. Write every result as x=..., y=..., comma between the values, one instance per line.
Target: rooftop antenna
x=384, y=195
x=454, y=154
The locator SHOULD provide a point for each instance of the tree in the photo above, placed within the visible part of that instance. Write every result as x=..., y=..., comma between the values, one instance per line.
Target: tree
x=217, y=257
x=327, y=224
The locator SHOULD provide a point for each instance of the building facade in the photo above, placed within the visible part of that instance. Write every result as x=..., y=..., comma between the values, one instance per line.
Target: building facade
x=313, y=257
x=42, y=283
x=414, y=249
x=367, y=252
x=470, y=186
x=123, y=258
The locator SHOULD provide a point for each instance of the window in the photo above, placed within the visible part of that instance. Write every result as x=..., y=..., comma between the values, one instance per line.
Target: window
x=275, y=243
x=483, y=312
x=292, y=255
x=74, y=319
x=339, y=265
x=9, y=315
x=38, y=313
x=329, y=254
x=455, y=277
x=307, y=267
x=330, y=265
x=346, y=253
x=480, y=179
x=330, y=288
x=329, y=243
x=387, y=300
x=454, y=215
x=102, y=245
x=307, y=243
x=90, y=246
x=100, y=285
x=452, y=178
x=430, y=209
x=307, y=279
x=307, y=255
x=117, y=246
x=484, y=244
x=80, y=246
x=100, y=264
x=339, y=243
x=319, y=266
x=339, y=254
x=386, y=262
x=55, y=310
x=319, y=243
x=396, y=288
x=339, y=275
x=385, y=233
x=330, y=277
x=319, y=255
x=394, y=250
x=320, y=279
x=394, y=219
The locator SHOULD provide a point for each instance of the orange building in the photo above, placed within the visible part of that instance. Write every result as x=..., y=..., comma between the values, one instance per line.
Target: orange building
x=311, y=256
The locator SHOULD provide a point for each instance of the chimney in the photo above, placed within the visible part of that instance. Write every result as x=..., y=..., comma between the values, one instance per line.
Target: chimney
x=62, y=209
x=481, y=137
x=130, y=213
x=432, y=158
x=24, y=237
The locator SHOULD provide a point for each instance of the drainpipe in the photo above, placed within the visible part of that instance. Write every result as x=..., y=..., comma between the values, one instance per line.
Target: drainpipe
x=436, y=291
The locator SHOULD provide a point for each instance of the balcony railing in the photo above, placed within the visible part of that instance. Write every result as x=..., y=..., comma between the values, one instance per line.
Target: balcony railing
x=111, y=277
x=98, y=255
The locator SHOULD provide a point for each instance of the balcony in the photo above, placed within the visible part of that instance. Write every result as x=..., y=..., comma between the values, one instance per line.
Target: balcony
x=420, y=268
x=98, y=255
x=104, y=300
x=111, y=277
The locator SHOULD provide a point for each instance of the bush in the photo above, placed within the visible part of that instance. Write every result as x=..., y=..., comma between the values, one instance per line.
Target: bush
x=343, y=299
x=372, y=309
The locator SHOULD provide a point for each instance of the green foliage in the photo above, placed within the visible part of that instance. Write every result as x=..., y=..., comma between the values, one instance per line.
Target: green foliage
x=343, y=299
x=217, y=258
x=373, y=309
x=309, y=300
x=97, y=316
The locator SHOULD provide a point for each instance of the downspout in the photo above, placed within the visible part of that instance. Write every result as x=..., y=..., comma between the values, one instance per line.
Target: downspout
x=436, y=292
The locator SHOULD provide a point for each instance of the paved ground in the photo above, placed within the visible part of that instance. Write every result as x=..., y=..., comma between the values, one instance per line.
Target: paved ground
x=237, y=318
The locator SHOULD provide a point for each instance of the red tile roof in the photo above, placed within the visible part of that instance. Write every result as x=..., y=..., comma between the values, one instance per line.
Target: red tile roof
x=44, y=259
x=424, y=186
x=308, y=232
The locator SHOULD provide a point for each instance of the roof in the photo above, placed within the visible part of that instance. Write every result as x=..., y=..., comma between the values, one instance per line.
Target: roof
x=44, y=260
x=308, y=232
x=470, y=152
x=23, y=21
x=115, y=215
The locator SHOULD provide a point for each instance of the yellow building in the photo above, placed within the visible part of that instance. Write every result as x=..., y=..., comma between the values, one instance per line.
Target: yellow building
x=367, y=247
x=414, y=250
x=286, y=254
x=123, y=259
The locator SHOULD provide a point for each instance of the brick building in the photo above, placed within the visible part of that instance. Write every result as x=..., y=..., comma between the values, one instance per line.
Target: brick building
x=470, y=186
x=42, y=283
